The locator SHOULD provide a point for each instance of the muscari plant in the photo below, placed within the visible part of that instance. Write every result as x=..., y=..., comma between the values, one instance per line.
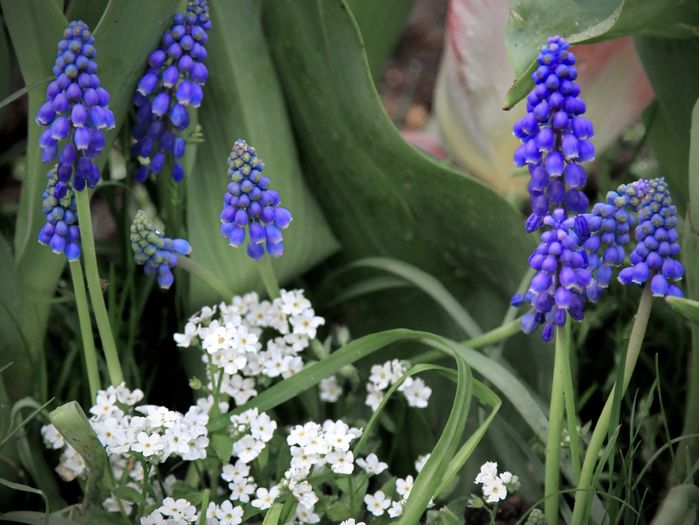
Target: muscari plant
x=233, y=456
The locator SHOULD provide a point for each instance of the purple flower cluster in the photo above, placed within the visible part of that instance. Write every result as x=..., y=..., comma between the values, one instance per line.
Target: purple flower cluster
x=555, y=137
x=250, y=205
x=558, y=288
x=76, y=113
x=60, y=232
x=657, y=244
x=172, y=83
x=610, y=223
x=157, y=253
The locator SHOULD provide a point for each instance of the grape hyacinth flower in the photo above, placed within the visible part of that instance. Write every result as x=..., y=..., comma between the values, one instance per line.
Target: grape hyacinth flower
x=558, y=288
x=61, y=231
x=157, y=253
x=610, y=225
x=555, y=137
x=250, y=205
x=75, y=114
x=657, y=246
x=172, y=83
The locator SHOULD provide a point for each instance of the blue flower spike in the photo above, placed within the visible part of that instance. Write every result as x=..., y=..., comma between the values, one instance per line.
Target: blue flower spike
x=155, y=252
x=250, y=208
x=171, y=85
x=75, y=114
x=655, y=256
x=557, y=290
x=60, y=232
x=610, y=223
x=556, y=138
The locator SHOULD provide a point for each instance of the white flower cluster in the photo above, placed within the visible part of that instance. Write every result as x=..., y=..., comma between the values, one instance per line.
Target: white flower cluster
x=416, y=392
x=172, y=512
x=127, y=431
x=230, y=335
x=494, y=485
x=253, y=431
x=379, y=503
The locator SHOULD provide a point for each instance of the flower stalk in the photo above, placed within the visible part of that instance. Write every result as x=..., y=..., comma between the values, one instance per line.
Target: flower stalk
x=94, y=287
x=82, y=305
x=583, y=493
x=269, y=279
x=553, y=438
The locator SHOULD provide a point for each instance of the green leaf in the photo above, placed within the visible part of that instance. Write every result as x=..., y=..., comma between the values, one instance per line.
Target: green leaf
x=128, y=494
x=26, y=488
x=694, y=170
x=687, y=307
x=89, y=11
x=431, y=475
x=72, y=423
x=34, y=518
x=5, y=67
x=223, y=446
x=665, y=61
x=380, y=24
x=273, y=515
x=583, y=21
x=380, y=195
x=428, y=284
x=243, y=99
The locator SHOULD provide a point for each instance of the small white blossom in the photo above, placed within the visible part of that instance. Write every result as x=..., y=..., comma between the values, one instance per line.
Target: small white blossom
x=377, y=503
x=227, y=514
x=404, y=486
x=371, y=464
x=52, y=437
x=148, y=445
x=420, y=462
x=494, y=490
x=265, y=498
x=396, y=509
x=330, y=389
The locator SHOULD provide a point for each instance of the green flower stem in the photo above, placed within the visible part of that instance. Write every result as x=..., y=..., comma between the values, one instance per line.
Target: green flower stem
x=571, y=412
x=94, y=287
x=83, y=307
x=204, y=505
x=553, y=438
x=496, y=334
x=583, y=492
x=200, y=272
x=269, y=279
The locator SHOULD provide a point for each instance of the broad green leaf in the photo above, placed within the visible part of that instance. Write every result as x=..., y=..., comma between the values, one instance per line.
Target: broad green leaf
x=428, y=284
x=243, y=99
x=694, y=171
x=680, y=506
x=89, y=11
x=581, y=21
x=34, y=27
x=34, y=518
x=380, y=195
x=380, y=24
x=665, y=61
x=72, y=423
x=5, y=67
x=687, y=307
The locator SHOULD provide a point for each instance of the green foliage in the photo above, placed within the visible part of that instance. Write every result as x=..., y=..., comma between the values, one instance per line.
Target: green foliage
x=582, y=21
x=380, y=195
x=243, y=98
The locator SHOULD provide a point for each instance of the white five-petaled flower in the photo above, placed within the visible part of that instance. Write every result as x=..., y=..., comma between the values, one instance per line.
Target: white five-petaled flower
x=265, y=498
x=148, y=445
x=371, y=464
x=377, y=503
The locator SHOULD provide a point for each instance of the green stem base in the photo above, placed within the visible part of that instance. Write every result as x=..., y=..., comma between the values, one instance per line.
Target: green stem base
x=83, y=307
x=94, y=287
